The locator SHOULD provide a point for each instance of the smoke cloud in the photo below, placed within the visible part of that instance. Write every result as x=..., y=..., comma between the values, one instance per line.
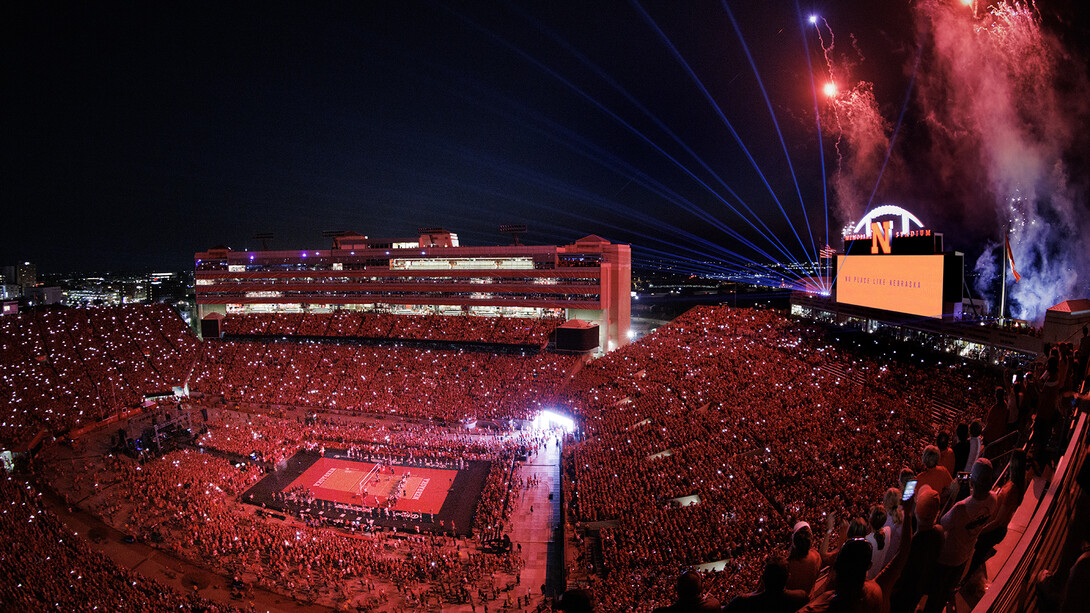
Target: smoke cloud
x=1005, y=106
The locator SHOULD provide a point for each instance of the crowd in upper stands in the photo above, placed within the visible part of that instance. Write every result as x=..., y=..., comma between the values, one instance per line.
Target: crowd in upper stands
x=708, y=441
x=533, y=331
x=724, y=438
x=450, y=384
x=60, y=368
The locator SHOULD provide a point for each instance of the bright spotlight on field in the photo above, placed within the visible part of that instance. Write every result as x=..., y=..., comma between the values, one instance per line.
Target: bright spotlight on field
x=813, y=19
x=830, y=89
x=546, y=420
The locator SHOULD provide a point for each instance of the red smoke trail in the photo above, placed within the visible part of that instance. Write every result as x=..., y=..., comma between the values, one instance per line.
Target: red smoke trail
x=866, y=135
x=861, y=135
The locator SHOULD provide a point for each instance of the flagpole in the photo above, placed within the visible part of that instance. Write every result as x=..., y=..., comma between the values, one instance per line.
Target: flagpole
x=1003, y=289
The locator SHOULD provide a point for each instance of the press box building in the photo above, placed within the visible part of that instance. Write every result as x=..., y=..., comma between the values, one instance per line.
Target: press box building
x=590, y=280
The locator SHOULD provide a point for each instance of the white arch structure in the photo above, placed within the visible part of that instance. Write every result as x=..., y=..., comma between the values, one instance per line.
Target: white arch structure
x=907, y=219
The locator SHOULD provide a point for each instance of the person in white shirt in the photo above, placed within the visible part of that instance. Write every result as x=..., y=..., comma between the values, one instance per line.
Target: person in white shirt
x=962, y=524
x=881, y=541
x=976, y=444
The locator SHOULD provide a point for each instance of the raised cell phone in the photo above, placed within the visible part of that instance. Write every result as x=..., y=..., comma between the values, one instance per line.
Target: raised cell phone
x=910, y=489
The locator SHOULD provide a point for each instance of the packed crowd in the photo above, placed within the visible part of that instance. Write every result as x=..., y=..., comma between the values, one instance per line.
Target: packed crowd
x=60, y=368
x=46, y=567
x=383, y=379
x=265, y=439
x=360, y=324
x=494, y=505
x=707, y=441
x=272, y=438
x=187, y=501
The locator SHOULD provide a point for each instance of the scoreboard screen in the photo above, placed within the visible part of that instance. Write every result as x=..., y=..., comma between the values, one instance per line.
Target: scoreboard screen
x=911, y=284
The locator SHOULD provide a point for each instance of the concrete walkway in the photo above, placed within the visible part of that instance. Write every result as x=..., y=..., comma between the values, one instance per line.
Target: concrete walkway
x=534, y=521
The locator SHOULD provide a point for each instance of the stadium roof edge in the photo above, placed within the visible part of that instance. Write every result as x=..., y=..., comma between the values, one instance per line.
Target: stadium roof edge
x=1077, y=306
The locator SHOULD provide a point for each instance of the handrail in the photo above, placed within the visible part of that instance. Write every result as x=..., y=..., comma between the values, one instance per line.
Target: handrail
x=1041, y=543
x=1001, y=439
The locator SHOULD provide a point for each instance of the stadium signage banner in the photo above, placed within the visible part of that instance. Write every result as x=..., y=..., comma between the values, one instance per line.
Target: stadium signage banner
x=881, y=233
x=894, y=234
x=911, y=284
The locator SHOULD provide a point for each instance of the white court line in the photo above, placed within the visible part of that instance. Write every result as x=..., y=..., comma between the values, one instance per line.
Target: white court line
x=420, y=489
x=329, y=472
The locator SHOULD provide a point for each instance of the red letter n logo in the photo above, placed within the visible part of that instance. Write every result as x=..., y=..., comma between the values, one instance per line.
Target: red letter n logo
x=880, y=233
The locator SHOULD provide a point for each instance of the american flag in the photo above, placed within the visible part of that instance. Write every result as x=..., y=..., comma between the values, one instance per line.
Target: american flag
x=828, y=253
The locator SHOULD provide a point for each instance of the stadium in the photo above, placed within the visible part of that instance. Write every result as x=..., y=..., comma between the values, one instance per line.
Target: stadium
x=719, y=306
x=364, y=428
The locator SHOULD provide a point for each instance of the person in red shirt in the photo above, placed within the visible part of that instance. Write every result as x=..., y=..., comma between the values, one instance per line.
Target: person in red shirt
x=691, y=597
x=934, y=476
x=947, y=458
x=962, y=525
x=772, y=597
x=803, y=560
x=996, y=425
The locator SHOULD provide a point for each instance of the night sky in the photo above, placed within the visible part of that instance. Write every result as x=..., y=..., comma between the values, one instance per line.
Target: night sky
x=138, y=135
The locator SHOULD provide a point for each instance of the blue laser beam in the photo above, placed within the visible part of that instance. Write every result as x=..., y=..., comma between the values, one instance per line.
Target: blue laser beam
x=775, y=122
x=770, y=236
x=817, y=119
x=562, y=188
x=719, y=112
x=767, y=232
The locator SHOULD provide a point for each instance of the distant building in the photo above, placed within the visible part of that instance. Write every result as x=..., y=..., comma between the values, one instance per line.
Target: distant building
x=432, y=273
x=37, y=296
x=9, y=283
x=165, y=287
x=26, y=275
x=92, y=295
x=16, y=279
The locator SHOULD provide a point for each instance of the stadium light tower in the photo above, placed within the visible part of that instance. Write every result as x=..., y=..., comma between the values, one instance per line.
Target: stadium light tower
x=514, y=230
x=264, y=237
x=334, y=235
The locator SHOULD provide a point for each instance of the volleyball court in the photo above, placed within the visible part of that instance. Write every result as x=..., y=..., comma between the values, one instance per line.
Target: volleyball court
x=401, y=488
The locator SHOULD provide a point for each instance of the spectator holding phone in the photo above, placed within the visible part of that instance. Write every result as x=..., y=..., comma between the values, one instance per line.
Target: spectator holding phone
x=927, y=541
x=962, y=524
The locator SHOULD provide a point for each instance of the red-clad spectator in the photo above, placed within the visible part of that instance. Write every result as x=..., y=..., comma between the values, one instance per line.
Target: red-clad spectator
x=934, y=476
